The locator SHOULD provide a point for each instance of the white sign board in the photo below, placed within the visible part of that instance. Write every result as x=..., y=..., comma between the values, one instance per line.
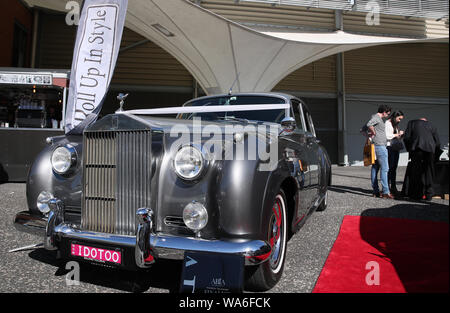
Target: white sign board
x=26, y=79
x=96, y=50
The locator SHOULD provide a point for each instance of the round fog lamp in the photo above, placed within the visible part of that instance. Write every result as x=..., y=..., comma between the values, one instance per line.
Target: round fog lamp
x=195, y=216
x=42, y=201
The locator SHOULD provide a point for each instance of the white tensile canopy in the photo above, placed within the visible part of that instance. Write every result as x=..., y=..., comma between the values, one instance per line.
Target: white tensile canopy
x=220, y=53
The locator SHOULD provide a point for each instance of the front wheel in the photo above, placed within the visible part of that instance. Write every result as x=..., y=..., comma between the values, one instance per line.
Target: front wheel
x=264, y=276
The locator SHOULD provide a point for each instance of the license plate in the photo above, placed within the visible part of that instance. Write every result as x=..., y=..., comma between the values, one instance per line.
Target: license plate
x=96, y=254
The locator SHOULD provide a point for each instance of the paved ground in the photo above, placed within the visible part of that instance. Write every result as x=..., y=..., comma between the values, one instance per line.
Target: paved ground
x=38, y=271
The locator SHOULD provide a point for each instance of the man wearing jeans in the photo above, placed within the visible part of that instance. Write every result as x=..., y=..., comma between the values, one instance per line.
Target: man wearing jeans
x=377, y=133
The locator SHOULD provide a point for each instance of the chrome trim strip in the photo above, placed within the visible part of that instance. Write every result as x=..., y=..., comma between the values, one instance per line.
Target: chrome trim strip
x=162, y=245
x=143, y=250
x=173, y=247
x=55, y=217
x=30, y=224
x=68, y=232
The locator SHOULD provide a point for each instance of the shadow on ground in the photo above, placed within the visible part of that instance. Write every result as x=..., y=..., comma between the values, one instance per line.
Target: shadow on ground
x=418, y=210
x=415, y=238
x=354, y=190
x=165, y=274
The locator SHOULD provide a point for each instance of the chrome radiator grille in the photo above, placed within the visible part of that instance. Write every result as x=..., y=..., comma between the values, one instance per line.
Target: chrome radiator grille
x=117, y=173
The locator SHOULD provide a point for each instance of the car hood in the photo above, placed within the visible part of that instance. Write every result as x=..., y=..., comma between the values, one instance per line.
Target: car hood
x=122, y=122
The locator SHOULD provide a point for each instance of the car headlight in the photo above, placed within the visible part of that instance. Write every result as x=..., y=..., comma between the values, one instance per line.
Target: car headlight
x=189, y=163
x=42, y=201
x=63, y=158
x=195, y=216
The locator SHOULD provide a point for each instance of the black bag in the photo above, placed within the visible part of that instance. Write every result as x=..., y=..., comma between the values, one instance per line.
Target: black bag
x=397, y=144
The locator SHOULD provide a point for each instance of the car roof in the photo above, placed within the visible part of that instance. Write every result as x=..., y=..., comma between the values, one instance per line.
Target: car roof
x=284, y=96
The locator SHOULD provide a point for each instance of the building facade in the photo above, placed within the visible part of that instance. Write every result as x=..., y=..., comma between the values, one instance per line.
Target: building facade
x=341, y=90
x=16, y=26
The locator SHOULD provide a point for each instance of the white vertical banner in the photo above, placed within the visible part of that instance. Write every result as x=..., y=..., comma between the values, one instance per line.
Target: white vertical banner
x=96, y=50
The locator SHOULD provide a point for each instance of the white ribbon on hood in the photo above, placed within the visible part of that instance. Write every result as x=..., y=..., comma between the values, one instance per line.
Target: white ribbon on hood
x=207, y=109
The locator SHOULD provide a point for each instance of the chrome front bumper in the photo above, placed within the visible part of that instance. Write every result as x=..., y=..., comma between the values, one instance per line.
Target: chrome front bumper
x=147, y=244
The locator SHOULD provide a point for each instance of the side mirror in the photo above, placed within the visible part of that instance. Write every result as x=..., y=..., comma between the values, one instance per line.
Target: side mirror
x=288, y=123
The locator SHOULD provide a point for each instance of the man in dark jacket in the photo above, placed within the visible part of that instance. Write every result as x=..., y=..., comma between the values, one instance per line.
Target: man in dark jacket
x=422, y=141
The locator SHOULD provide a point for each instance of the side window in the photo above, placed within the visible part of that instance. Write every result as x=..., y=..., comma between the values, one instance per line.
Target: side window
x=295, y=106
x=308, y=121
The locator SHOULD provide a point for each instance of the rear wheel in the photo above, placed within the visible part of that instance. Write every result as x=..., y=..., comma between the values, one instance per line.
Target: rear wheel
x=264, y=276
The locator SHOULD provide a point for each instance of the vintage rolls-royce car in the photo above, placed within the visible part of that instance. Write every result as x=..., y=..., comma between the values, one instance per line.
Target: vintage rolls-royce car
x=235, y=174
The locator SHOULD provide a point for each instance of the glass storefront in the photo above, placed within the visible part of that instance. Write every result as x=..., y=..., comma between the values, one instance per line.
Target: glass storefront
x=31, y=106
x=32, y=99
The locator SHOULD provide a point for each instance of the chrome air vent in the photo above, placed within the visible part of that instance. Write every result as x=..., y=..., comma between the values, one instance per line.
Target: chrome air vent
x=174, y=221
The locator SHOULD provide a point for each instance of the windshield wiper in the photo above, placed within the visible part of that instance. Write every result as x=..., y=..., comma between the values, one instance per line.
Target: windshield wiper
x=232, y=118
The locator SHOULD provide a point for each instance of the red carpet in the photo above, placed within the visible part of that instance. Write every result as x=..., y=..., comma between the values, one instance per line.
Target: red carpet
x=384, y=255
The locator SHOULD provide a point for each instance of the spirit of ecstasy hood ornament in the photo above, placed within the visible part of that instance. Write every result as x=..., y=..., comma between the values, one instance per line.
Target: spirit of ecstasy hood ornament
x=122, y=97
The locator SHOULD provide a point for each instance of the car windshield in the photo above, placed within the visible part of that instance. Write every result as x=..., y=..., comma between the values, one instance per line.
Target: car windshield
x=274, y=116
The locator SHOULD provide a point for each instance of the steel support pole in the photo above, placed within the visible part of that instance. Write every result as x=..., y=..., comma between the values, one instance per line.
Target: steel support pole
x=340, y=79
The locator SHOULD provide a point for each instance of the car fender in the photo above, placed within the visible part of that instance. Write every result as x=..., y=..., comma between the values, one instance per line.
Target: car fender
x=41, y=176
